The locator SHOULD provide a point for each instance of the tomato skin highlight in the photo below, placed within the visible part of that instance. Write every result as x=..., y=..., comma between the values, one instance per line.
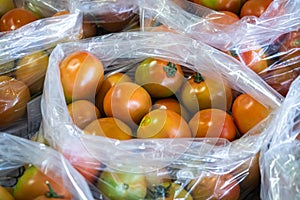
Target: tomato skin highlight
x=247, y=112
x=213, y=123
x=81, y=76
x=160, y=78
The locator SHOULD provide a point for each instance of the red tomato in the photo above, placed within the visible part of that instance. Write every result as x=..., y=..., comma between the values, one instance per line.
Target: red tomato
x=203, y=92
x=160, y=78
x=213, y=123
x=254, y=7
x=128, y=102
x=83, y=112
x=221, y=5
x=247, y=112
x=16, y=18
x=14, y=96
x=33, y=183
x=81, y=75
x=223, y=17
x=161, y=123
x=223, y=187
x=109, y=127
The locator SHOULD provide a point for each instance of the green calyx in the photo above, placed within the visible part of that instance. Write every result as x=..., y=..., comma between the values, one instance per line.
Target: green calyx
x=198, y=78
x=51, y=193
x=170, y=69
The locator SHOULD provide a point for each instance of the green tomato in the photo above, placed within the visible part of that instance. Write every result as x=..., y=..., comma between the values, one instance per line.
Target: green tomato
x=6, y=5
x=123, y=185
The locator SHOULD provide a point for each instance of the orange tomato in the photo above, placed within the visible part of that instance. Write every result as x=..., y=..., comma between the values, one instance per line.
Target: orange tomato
x=254, y=7
x=109, y=82
x=161, y=123
x=128, y=102
x=15, y=19
x=223, y=17
x=247, y=112
x=219, y=5
x=213, y=123
x=4, y=194
x=83, y=112
x=109, y=127
x=63, y=12
x=81, y=76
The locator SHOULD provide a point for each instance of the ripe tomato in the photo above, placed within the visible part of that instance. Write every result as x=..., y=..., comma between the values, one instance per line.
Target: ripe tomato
x=109, y=127
x=213, y=123
x=247, y=112
x=128, y=102
x=89, y=29
x=5, y=195
x=109, y=82
x=291, y=49
x=160, y=78
x=254, y=7
x=6, y=5
x=31, y=70
x=83, y=112
x=63, y=12
x=14, y=96
x=33, y=184
x=117, y=186
x=81, y=76
x=16, y=18
x=223, y=17
x=158, y=177
x=223, y=187
x=171, y=104
x=221, y=5
x=44, y=197
x=161, y=123
x=203, y=92
x=280, y=78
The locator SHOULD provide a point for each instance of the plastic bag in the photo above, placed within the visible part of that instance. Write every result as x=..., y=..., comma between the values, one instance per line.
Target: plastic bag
x=185, y=159
x=280, y=158
x=24, y=57
x=17, y=152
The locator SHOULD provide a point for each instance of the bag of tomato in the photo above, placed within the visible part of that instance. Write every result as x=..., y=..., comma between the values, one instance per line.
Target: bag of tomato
x=280, y=159
x=24, y=58
x=31, y=170
x=156, y=115
x=263, y=35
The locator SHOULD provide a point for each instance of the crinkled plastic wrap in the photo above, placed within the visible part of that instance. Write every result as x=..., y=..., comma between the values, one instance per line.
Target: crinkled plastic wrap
x=187, y=158
x=281, y=17
x=16, y=152
x=24, y=57
x=280, y=162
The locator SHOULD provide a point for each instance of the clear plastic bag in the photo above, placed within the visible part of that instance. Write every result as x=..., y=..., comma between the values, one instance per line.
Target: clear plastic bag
x=279, y=159
x=24, y=57
x=181, y=159
x=17, y=152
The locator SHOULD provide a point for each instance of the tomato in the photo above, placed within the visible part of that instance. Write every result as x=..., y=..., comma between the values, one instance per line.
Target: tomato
x=14, y=96
x=169, y=191
x=6, y=5
x=213, y=123
x=31, y=70
x=223, y=17
x=115, y=22
x=128, y=102
x=214, y=186
x=33, y=183
x=221, y=5
x=5, y=195
x=254, y=7
x=109, y=82
x=109, y=127
x=171, y=104
x=89, y=30
x=291, y=49
x=280, y=78
x=158, y=177
x=203, y=92
x=44, y=197
x=63, y=12
x=7, y=68
x=160, y=78
x=161, y=123
x=83, y=112
x=81, y=76
x=122, y=185
x=247, y=112
x=16, y=18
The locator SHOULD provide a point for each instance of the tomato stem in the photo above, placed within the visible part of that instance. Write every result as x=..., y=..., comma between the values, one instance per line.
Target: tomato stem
x=170, y=69
x=51, y=193
x=125, y=186
x=198, y=78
